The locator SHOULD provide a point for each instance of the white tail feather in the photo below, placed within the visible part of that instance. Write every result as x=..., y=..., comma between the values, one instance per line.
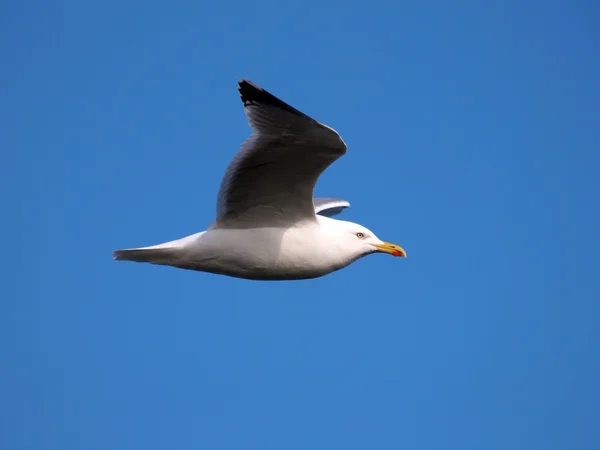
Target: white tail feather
x=156, y=254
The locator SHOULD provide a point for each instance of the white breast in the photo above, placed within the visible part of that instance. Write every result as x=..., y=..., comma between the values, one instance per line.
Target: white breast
x=306, y=251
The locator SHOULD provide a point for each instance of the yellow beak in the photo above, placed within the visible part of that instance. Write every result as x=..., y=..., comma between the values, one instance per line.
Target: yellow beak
x=392, y=249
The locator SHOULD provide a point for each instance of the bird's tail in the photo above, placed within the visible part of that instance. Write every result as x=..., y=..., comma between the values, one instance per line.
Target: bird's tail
x=168, y=253
x=149, y=255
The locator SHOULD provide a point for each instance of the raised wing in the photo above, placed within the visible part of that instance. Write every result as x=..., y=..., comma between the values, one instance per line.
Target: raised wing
x=329, y=206
x=270, y=180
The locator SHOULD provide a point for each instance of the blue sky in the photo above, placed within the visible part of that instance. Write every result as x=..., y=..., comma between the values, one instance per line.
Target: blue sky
x=473, y=132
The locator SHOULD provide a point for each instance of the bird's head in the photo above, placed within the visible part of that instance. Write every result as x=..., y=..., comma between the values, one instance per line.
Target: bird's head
x=365, y=242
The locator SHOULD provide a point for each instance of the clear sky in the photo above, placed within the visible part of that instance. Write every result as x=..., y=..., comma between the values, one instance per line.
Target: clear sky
x=473, y=131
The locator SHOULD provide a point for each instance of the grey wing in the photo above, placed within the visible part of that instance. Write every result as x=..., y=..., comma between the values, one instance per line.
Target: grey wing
x=329, y=206
x=271, y=179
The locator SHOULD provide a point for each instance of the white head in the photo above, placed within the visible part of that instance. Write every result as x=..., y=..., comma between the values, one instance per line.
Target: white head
x=354, y=239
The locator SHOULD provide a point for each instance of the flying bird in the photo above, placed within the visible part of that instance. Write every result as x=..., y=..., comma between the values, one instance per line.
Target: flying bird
x=268, y=225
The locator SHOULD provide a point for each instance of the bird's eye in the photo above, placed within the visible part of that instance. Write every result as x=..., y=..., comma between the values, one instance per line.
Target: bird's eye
x=360, y=235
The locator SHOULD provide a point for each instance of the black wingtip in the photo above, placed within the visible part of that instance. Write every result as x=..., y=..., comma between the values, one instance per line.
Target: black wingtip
x=249, y=92
x=252, y=94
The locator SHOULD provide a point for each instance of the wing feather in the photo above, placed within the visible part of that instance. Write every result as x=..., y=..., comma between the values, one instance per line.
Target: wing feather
x=271, y=179
x=330, y=206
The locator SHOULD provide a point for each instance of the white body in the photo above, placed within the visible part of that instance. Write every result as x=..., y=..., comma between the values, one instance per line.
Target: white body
x=310, y=250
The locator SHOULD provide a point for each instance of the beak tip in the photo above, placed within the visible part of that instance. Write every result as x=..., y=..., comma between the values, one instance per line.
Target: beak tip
x=392, y=249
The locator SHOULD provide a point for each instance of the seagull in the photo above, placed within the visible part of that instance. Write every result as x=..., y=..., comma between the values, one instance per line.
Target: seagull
x=268, y=225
